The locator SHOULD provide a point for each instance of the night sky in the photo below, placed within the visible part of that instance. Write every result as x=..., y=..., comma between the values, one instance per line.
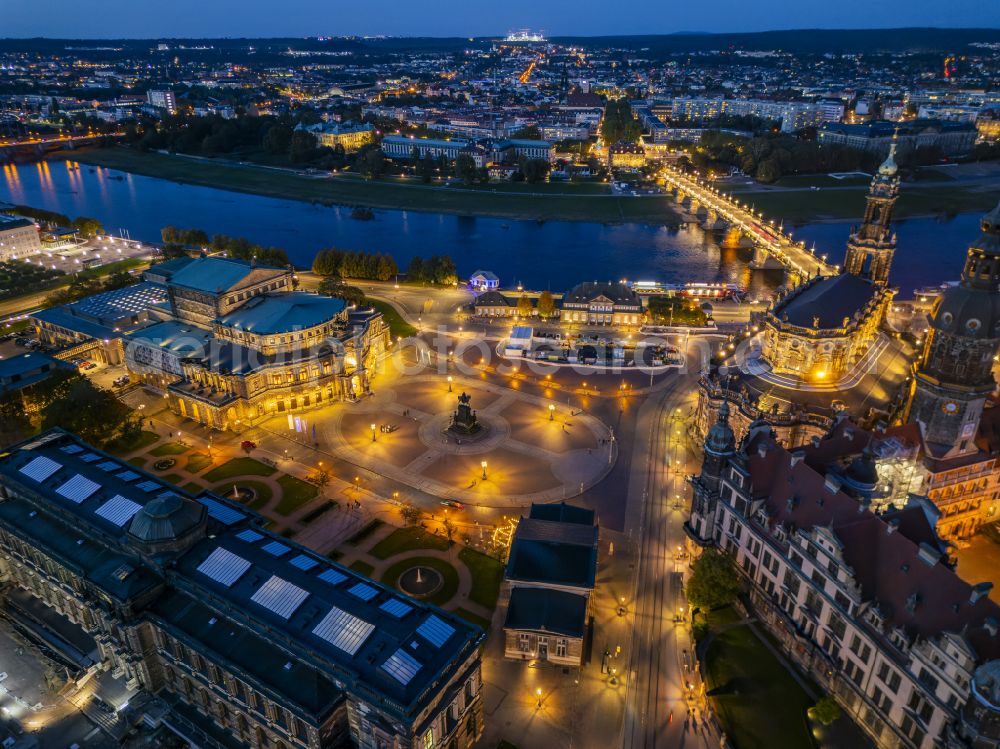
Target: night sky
x=263, y=18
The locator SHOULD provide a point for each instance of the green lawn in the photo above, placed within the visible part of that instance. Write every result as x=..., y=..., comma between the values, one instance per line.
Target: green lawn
x=547, y=202
x=239, y=467
x=137, y=461
x=370, y=527
x=758, y=702
x=139, y=442
x=449, y=574
x=294, y=494
x=363, y=567
x=263, y=492
x=198, y=462
x=398, y=327
x=408, y=539
x=483, y=624
x=192, y=488
x=169, y=449
x=173, y=478
x=487, y=575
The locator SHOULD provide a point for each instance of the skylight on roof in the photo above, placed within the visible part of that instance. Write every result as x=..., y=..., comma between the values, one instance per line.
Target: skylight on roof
x=402, y=666
x=435, y=631
x=276, y=548
x=40, y=468
x=71, y=449
x=332, y=576
x=148, y=486
x=224, y=567
x=109, y=465
x=78, y=489
x=396, y=608
x=280, y=596
x=364, y=591
x=118, y=510
x=127, y=475
x=90, y=457
x=343, y=630
x=303, y=562
x=249, y=536
x=222, y=512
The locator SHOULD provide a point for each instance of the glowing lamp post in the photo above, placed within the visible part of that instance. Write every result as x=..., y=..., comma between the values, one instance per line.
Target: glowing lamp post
x=449, y=383
x=373, y=432
x=483, y=464
x=552, y=412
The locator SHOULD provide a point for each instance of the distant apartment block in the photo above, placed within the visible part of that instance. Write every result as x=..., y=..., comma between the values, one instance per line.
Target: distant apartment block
x=954, y=139
x=162, y=99
x=18, y=238
x=350, y=136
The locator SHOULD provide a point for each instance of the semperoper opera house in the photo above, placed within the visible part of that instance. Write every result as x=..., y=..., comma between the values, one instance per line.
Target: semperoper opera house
x=247, y=636
x=228, y=343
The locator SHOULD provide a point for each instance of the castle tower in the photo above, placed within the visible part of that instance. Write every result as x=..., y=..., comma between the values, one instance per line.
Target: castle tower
x=955, y=373
x=871, y=246
x=720, y=445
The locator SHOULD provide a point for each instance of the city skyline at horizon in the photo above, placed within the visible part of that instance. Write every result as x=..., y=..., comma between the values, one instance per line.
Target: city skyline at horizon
x=308, y=18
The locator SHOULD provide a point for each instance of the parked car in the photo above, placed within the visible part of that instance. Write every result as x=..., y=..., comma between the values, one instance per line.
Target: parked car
x=123, y=380
x=453, y=503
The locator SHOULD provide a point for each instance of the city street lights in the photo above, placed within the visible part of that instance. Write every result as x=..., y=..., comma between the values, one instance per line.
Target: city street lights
x=373, y=432
x=449, y=383
x=538, y=695
x=483, y=464
x=552, y=412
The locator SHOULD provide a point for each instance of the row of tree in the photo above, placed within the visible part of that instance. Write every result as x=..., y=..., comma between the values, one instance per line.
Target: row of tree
x=619, y=123
x=86, y=226
x=187, y=237
x=344, y=264
x=437, y=269
x=177, y=241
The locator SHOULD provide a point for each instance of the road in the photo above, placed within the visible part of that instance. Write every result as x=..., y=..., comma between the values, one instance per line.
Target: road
x=659, y=664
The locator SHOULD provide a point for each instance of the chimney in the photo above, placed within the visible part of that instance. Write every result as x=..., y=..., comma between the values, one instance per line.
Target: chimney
x=815, y=441
x=990, y=625
x=832, y=483
x=928, y=554
x=796, y=457
x=762, y=449
x=892, y=526
x=979, y=590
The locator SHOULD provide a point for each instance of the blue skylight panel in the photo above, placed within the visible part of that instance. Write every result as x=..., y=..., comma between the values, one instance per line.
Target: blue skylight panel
x=276, y=548
x=332, y=576
x=224, y=567
x=71, y=449
x=303, y=562
x=435, y=631
x=148, y=486
x=343, y=630
x=127, y=475
x=364, y=591
x=78, y=489
x=249, y=536
x=90, y=457
x=395, y=607
x=401, y=666
x=280, y=596
x=109, y=465
x=118, y=510
x=40, y=468
x=222, y=512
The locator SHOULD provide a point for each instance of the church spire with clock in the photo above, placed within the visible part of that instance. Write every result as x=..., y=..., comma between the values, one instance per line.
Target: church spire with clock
x=954, y=376
x=871, y=246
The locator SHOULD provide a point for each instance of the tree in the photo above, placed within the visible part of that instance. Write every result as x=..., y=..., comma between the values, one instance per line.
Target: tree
x=301, y=146
x=415, y=271
x=546, y=305
x=335, y=287
x=714, y=581
x=372, y=162
x=278, y=139
x=409, y=513
x=88, y=227
x=524, y=306
x=248, y=446
x=825, y=711
x=321, y=478
x=78, y=406
x=465, y=168
x=529, y=132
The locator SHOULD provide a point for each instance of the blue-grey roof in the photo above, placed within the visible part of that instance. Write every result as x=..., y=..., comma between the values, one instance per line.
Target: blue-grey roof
x=426, y=142
x=63, y=317
x=555, y=552
x=179, y=338
x=283, y=313
x=213, y=274
x=230, y=587
x=13, y=222
x=20, y=371
x=541, y=610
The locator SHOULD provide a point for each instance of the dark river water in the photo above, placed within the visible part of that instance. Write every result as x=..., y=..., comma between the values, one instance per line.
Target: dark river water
x=553, y=254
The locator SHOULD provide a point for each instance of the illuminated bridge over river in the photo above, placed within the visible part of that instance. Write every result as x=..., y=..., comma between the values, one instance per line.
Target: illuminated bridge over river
x=773, y=248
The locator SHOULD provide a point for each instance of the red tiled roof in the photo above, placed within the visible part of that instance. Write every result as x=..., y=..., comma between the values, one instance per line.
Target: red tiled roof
x=885, y=561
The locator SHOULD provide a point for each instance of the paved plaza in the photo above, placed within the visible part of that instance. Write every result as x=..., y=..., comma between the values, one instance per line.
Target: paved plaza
x=535, y=449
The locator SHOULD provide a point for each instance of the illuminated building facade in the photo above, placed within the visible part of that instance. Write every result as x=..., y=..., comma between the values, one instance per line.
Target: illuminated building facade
x=244, y=634
x=235, y=344
x=18, y=238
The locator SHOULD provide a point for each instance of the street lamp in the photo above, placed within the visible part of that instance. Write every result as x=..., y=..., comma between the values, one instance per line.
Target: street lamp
x=483, y=464
x=552, y=412
x=373, y=432
x=538, y=695
x=449, y=383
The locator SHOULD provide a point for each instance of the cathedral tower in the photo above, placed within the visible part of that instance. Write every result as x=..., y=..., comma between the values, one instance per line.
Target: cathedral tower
x=871, y=246
x=955, y=373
